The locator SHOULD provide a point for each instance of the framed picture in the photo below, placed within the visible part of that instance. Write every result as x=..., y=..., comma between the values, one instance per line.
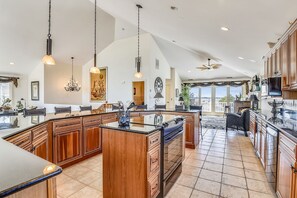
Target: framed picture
x=99, y=85
x=176, y=93
x=35, y=90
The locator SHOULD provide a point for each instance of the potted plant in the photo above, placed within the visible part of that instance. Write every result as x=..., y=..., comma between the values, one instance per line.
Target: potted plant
x=185, y=93
x=6, y=104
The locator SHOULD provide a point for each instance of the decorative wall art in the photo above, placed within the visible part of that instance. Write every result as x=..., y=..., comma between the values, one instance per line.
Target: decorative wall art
x=99, y=85
x=35, y=90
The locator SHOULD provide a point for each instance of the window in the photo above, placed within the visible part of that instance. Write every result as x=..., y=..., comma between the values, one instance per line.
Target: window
x=221, y=98
x=194, y=96
x=233, y=92
x=4, y=91
x=206, y=98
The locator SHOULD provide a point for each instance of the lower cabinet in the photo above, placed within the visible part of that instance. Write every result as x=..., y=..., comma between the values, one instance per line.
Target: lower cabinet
x=67, y=140
x=41, y=148
x=286, y=174
x=92, y=139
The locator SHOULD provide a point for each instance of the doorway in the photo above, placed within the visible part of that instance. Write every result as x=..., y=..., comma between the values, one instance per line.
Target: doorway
x=169, y=94
x=138, y=92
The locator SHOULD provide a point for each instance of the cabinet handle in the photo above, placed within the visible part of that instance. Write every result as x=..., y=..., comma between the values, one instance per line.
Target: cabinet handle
x=293, y=168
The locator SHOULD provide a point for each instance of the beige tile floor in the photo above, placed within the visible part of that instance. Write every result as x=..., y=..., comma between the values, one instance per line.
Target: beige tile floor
x=224, y=165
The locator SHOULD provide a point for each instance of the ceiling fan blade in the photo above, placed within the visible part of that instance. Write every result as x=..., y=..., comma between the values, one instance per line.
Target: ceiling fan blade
x=216, y=65
x=201, y=68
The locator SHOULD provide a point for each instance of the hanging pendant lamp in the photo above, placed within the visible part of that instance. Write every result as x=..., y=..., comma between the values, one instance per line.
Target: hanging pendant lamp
x=48, y=58
x=138, y=74
x=95, y=69
x=72, y=84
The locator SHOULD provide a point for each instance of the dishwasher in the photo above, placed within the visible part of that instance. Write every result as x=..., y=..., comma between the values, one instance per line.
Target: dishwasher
x=271, y=154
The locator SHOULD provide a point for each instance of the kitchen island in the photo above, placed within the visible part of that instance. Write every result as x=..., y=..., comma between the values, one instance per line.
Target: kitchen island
x=143, y=159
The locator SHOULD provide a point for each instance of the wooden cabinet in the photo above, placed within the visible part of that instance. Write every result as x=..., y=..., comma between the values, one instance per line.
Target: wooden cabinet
x=35, y=141
x=92, y=135
x=67, y=140
x=285, y=65
x=131, y=165
x=110, y=117
x=286, y=176
x=269, y=67
x=22, y=140
x=40, y=142
x=293, y=60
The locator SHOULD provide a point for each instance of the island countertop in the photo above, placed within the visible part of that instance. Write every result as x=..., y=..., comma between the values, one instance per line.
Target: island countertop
x=143, y=124
x=20, y=169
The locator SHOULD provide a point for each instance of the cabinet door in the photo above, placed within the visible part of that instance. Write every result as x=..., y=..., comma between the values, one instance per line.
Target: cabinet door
x=284, y=174
x=273, y=65
x=41, y=148
x=92, y=139
x=265, y=69
x=68, y=146
x=22, y=140
x=285, y=65
x=293, y=59
x=269, y=67
x=189, y=134
x=262, y=153
x=278, y=66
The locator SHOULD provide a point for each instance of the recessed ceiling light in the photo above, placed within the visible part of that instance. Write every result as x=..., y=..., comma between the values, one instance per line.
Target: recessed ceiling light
x=123, y=29
x=173, y=41
x=11, y=63
x=189, y=71
x=253, y=61
x=240, y=58
x=225, y=29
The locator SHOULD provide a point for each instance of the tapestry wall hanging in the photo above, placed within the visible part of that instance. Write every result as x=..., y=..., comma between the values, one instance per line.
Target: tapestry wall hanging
x=99, y=85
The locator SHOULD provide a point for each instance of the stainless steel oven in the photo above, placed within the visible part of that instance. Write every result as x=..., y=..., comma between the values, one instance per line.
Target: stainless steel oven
x=173, y=153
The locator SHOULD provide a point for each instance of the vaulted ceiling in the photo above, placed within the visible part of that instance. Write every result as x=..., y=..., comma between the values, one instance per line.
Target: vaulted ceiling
x=196, y=25
x=24, y=26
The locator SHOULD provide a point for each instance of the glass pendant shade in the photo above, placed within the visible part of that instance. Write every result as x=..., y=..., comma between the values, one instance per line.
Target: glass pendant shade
x=95, y=70
x=138, y=74
x=48, y=60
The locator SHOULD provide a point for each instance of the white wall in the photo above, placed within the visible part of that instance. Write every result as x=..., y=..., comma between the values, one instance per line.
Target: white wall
x=119, y=57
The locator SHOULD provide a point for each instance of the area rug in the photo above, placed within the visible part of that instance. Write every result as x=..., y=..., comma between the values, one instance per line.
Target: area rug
x=214, y=122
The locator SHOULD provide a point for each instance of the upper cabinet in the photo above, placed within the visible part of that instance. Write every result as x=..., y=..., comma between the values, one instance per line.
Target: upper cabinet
x=293, y=59
x=282, y=61
x=285, y=65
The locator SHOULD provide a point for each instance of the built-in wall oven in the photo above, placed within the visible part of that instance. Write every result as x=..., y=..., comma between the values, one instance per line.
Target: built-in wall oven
x=173, y=153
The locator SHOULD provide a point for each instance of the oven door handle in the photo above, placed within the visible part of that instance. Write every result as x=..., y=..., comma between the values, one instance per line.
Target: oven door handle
x=173, y=137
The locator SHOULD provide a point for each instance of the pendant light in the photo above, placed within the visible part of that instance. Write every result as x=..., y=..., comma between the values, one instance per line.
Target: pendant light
x=72, y=84
x=95, y=69
x=48, y=58
x=138, y=74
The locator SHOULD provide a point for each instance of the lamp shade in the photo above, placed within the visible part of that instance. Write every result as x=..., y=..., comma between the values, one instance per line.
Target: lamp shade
x=48, y=60
x=253, y=98
x=95, y=70
x=158, y=95
x=181, y=99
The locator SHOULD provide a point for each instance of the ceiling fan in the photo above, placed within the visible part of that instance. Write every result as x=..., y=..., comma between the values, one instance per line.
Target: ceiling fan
x=209, y=66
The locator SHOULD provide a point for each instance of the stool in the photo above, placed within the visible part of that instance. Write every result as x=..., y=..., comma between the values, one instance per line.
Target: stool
x=227, y=109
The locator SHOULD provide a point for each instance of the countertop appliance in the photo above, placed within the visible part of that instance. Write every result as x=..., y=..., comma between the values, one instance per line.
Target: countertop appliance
x=271, y=154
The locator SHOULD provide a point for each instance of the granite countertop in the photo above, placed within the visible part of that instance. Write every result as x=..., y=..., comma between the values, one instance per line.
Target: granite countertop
x=284, y=122
x=144, y=124
x=11, y=125
x=20, y=169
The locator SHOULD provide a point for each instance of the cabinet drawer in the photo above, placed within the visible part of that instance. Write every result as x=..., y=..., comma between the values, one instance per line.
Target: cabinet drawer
x=111, y=117
x=21, y=140
x=39, y=132
x=92, y=120
x=154, y=186
x=153, y=161
x=134, y=114
x=67, y=125
x=153, y=140
x=287, y=144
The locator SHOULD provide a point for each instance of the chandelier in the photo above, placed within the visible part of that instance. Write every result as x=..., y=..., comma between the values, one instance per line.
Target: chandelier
x=72, y=84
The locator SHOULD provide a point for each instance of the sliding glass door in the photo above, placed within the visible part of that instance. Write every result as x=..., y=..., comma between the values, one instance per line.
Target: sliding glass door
x=213, y=99
x=221, y=99
x=206, y=98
